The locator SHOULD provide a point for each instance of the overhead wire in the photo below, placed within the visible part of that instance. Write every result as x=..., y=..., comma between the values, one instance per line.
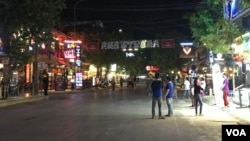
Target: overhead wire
x=163, y=20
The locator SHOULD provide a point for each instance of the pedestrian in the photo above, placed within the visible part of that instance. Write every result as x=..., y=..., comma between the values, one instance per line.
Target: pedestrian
x=168, y=95
x=157, y=89
x=186, y=93
x=174, y=82
x=149, y=81
x=134, y=81
x=45, y=77
x=113, y=83
x=225, y=89
x=197, y=96
x=121, y=82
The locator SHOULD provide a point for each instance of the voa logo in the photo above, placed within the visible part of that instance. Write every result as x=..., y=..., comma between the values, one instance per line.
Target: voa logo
x=236, y=132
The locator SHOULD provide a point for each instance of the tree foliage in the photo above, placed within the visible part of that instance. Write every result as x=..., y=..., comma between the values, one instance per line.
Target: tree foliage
x=28, y=24
x=209, y=27
x=31, y=23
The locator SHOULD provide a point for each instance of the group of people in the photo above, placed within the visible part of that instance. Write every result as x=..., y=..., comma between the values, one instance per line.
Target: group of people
x=164, y=90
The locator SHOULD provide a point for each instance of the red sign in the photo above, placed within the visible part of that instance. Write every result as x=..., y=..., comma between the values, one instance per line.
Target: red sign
x=167, y=43
x=69, y=54
x=151, y=68
x=92, y=46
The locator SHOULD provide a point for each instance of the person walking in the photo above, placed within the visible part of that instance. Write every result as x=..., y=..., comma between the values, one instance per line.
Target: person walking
x=134, y=81
x=121, y=82
x=186, y=93
x=225, y=89
x=157, y=89
x=197, y=96
x=45, y=78
x=113, y=83
x=168, y=95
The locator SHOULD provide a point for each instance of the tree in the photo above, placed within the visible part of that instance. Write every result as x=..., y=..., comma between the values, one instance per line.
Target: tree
x=31, y=23
x=209, y=27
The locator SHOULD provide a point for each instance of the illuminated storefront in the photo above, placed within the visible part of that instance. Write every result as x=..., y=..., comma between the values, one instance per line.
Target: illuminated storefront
x=241, y=51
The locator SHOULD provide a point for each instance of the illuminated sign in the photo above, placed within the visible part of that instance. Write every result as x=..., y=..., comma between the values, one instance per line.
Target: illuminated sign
x=78, y=80
x=72, y=41
x=130, y=44
x=187, y=44
x=187, y=50
x=78, y=55
x=233, y=8
x=73, y=50
x=130, y=54
x=69, y=54
x=27, y=78
x=151, y=68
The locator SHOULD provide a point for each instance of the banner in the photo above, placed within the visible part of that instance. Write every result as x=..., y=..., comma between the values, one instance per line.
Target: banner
x=167, y=43
x=92, y=46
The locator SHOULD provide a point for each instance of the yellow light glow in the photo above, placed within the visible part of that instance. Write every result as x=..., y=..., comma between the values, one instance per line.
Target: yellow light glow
x=27, y=95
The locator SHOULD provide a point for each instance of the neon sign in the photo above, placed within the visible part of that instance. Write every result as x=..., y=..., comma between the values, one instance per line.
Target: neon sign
x=69, y=54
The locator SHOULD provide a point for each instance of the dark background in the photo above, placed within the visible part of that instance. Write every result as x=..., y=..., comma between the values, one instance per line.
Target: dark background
x=143, y=18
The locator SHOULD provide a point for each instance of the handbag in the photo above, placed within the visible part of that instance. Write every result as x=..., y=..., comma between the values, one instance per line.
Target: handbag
x=202, y=93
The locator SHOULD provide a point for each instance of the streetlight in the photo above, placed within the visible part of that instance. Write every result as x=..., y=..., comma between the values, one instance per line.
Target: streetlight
x=76, y=4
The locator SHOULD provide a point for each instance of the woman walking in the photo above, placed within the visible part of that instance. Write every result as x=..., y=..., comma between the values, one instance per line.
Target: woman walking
x=197, y=96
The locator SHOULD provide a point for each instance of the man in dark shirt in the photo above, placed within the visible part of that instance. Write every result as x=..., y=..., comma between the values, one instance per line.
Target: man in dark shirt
x=157, y=88
x=197, y=96
x=45, y=82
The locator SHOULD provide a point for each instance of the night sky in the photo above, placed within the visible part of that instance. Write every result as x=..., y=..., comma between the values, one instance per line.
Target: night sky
x=144, y=18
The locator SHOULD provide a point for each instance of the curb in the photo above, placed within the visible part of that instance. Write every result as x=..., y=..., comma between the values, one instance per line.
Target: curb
x=33, y=98
x=22, y=99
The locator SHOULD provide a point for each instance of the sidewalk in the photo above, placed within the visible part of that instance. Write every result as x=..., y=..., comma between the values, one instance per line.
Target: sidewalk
x=240, y=113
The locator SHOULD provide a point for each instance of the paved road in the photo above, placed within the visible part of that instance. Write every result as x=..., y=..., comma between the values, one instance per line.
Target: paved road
x=106, y=115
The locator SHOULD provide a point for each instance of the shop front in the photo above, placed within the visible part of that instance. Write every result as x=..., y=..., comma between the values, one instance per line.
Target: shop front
x=241, y=53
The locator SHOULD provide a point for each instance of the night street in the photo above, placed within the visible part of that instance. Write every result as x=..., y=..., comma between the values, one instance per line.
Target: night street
x=106, y=115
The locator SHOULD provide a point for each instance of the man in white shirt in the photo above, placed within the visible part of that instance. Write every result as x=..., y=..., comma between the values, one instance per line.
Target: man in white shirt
x=186, y=93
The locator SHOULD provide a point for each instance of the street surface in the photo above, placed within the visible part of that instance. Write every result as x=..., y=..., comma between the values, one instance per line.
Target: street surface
x=106, y=115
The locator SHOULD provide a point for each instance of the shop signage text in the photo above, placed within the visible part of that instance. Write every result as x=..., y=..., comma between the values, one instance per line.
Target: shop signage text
x=130, y=44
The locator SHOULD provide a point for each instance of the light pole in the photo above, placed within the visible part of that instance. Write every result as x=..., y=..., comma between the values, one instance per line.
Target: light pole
x=76, y=4
x=74, y=37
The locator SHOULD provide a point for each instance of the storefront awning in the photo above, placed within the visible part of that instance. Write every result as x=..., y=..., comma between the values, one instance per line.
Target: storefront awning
x=51, y=60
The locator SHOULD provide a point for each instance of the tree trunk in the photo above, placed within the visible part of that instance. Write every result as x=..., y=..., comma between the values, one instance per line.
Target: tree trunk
x=35, y=73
